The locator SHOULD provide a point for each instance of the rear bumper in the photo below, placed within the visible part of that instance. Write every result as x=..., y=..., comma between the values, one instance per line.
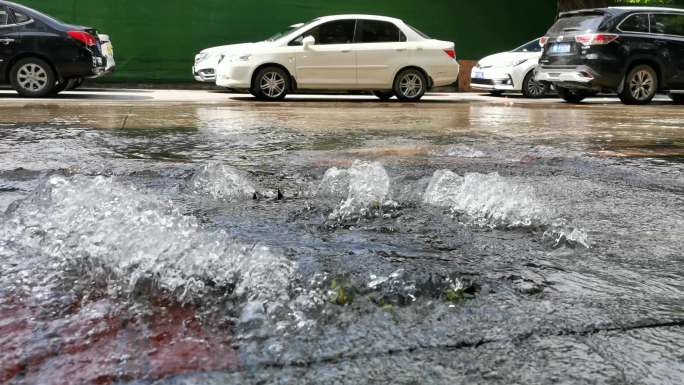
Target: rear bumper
x=596, y=78
x=581, y=75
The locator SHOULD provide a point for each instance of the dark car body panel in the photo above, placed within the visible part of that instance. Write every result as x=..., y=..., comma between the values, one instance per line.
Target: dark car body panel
x=47, y=38
x=609, y=63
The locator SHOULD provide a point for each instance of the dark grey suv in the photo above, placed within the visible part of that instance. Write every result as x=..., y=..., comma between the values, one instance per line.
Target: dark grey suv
x=634, y=51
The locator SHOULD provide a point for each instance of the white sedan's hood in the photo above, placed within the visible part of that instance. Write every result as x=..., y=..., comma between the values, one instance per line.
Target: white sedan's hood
x=506, y=59
x=232, y=48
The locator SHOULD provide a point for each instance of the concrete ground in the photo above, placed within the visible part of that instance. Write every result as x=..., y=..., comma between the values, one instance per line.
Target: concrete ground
x=161, y=96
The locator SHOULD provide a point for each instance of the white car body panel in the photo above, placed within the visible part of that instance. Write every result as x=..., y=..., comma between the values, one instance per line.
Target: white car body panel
x=353, y=66
x=499, y=70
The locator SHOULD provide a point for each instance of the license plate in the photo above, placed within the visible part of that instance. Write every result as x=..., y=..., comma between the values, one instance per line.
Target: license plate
x=560, y=48
x=479, y=75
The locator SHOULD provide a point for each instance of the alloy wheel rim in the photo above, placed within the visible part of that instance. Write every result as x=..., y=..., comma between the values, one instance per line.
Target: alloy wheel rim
x=32, y=77
x=411, y=85
x=642, y=85
x=535, y=88
x=272, y=84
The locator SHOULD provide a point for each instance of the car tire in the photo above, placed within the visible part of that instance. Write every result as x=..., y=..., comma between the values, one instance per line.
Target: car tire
x=271, y=84
x=533, y=89
x=32, y=78
x=410, y=85
x=641, y=86
x=677, y=98
x=384, y=95
x=572, y=96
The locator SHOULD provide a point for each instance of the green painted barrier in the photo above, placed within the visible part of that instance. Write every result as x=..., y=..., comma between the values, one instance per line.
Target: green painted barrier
x=156, y=40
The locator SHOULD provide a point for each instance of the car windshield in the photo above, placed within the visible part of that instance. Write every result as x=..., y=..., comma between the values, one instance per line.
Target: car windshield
x=576, y=24
x=532, y=46
x=289, y=31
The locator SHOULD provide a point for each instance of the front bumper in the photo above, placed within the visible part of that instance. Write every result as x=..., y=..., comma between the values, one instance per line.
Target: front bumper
x=205, y=75
x=234, y=76
x=493, y=79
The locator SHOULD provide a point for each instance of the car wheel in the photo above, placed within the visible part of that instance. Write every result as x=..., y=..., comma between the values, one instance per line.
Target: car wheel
x=677, y=98
x=532, y=88
x=410, y=85
x=383, y=95
x=33, y=78
x=271, y=83
x=641, y=85
x=572, y=96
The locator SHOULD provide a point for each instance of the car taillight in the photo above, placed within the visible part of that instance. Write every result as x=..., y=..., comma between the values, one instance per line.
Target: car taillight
x=543, y=41
x=84, y=37
x=451, y=52
x=596, y=38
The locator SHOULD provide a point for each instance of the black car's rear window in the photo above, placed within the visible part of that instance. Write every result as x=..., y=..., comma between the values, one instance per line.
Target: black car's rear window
x=575, y=24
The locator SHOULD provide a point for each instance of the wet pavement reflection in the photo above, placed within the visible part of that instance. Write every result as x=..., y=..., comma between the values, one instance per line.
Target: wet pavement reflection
x=341, y=242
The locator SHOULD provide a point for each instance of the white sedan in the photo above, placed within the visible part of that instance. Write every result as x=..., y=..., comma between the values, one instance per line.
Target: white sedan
x=341, y=53
x=510, y=72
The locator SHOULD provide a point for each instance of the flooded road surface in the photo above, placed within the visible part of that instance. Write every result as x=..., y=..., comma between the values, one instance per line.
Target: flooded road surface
x=341, y=241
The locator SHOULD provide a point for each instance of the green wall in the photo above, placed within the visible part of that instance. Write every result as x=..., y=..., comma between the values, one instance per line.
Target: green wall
x=156, y=40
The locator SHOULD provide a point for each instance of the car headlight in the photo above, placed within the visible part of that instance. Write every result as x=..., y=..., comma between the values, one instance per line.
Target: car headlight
x=200, y=57
x=221, y=57
x=516, y=63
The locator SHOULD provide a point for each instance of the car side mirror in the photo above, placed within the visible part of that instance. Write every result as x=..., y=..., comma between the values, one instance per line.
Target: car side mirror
x=308, y=41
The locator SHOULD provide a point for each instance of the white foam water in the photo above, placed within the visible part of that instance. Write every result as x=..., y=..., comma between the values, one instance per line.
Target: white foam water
x=222, y=182
x=127, y=238
x=369, y=186
x=491, y=200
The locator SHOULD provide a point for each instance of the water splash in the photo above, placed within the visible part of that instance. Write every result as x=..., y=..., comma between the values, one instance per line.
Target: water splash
x=335, y=184
x=369, y=186
x=98, y=230
x=487, y=199
x=490, y=200
x=222, y=182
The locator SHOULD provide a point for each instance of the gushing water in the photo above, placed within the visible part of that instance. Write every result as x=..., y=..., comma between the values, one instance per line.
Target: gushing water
x=131, y=241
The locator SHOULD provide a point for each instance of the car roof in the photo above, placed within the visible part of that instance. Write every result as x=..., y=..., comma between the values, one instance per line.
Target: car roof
x=359, y=16
x=621, y=10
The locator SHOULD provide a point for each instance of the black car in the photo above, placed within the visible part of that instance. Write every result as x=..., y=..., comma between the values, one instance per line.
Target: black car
x=632, y=51
x=39, y=55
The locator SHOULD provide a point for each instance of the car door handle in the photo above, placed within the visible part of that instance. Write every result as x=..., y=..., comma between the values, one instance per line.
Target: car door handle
x=345, y=51
x=6, y=41
x=401, y=49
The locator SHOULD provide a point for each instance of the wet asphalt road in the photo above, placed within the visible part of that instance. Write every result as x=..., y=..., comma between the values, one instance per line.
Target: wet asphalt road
x=194, y=237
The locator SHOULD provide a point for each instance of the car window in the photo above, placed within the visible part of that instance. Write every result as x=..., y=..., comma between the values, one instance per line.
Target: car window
x=532, y=46
x=21, y=18
x=4, y=16
x=668, y=24
x=332, y=32
x=635, y=23
x=576, y=24
x=375, y=31
x=421, y=34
